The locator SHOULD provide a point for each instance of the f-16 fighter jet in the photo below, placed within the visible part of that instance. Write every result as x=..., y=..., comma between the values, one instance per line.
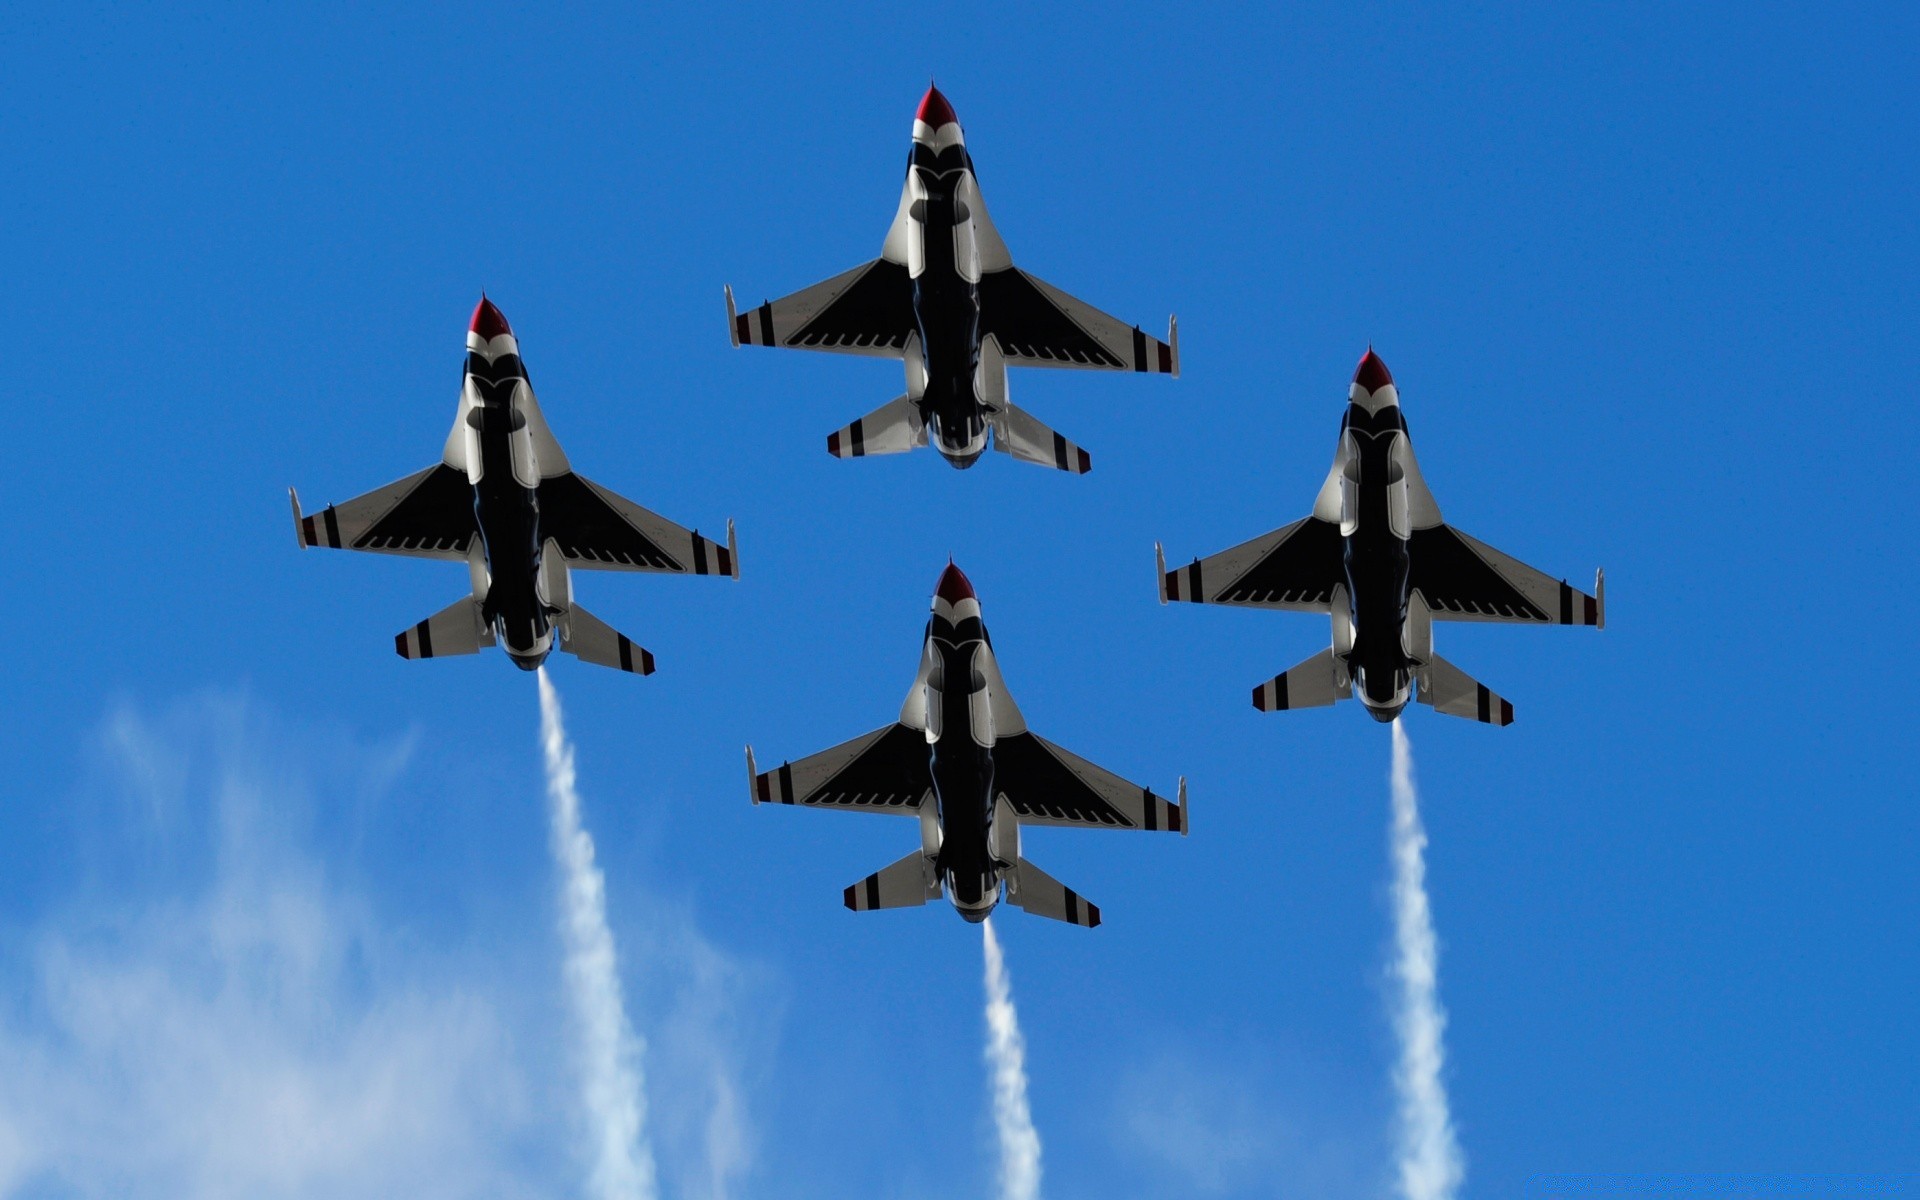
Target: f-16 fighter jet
x=504, y=500
x=945, y=296
x=1376, y=556
x=961, y=759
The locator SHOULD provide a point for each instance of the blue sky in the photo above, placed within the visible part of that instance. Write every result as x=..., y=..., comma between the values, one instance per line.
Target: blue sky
x=1645, y=277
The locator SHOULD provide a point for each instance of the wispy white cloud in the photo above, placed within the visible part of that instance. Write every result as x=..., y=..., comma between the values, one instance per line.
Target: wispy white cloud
x=1247, y=1119
x=1007, y=1055
x=253, y=1032
x=1430, y=1163
x=218, y=1005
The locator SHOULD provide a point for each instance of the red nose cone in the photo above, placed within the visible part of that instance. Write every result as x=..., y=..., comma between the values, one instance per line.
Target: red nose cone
x=953, y=586
x=1373, y=374
x=935, y=110
x=488, y=321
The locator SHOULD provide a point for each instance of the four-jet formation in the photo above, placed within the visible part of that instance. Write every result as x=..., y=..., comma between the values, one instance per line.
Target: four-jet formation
x=962, y=760
x=504, y=500
x=1378, y=559
x=945, y=296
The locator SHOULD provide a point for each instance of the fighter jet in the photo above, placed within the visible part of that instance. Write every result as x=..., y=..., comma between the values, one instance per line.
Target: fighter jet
x=1378, y=559
x=504, y=500
x=962, y=760
x=945, y=296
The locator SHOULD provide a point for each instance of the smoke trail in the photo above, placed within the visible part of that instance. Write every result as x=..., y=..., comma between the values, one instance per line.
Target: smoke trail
x=609, y=1050
x=1430, y=1162
x=1007, y=1055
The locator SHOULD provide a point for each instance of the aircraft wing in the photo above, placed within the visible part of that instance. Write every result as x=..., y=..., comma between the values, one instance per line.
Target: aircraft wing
x=1038, y=325
x=868, y=310
x=429, y=514
x=1047, y=785
x=1464, y=579
x=601, y=530
x=883, y=771
x=1296, y=567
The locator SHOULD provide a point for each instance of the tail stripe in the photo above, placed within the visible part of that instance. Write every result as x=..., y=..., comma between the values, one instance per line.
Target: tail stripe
x=1139, y=350
x=333, y=527
x=766, y=325
x=873, y=890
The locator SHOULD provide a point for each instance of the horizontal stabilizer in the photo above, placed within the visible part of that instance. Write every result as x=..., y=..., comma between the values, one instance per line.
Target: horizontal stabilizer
x=894, y=428
x=1015, y=432
x=908, y=883
x=455, y=629
x=1449, y=690
x=590, y=639
x=1044, y=896
x=1315, y=683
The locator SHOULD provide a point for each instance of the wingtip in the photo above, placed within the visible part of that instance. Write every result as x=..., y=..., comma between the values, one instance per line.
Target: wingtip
x=1173, y=344
x=1160, y=572
x=733, y=549
x=753, y=778
x=733, y=318
x=1600, y=598
x=1186, y=823
x=299, y=534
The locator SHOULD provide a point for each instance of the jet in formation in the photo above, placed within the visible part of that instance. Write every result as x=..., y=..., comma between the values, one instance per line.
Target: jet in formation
x=1376, y=557
x=504, y=499
x=945, y=297
x=962, y=760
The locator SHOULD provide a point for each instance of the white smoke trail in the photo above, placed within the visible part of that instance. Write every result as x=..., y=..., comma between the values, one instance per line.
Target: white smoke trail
x=609, y=1050
x=1007, y=1054
x=1430, y=1163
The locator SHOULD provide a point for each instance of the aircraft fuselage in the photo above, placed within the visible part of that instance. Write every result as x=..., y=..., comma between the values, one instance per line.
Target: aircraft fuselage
x=960, y=745
x=1374, y=535
x=946, y=303
x=506, y=506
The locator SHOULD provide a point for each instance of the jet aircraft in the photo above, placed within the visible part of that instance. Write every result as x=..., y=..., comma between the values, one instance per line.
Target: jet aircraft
x=504, y=500
x=1375, y=556
x=962, y=761
x=945, y=297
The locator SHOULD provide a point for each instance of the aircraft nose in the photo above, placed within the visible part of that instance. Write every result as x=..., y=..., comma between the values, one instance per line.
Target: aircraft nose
x=954, y=585
x=934, y=109
x=489, y=322
x=1372, y=373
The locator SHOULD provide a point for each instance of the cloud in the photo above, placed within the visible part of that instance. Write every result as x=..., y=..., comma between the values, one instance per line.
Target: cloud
x=208, y=1004
x=1243, y=1121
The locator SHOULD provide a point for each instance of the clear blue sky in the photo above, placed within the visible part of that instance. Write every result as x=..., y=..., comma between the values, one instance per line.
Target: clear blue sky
x=1645, y=276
